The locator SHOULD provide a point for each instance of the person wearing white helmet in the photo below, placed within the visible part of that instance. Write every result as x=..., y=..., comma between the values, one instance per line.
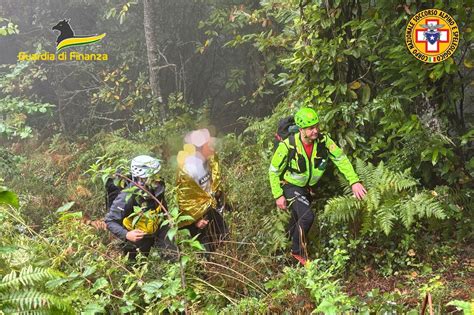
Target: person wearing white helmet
x=144, y=166
x=140, y=234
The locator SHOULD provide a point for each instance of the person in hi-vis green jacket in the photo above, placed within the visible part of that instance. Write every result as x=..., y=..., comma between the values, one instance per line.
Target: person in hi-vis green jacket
x=297, y=165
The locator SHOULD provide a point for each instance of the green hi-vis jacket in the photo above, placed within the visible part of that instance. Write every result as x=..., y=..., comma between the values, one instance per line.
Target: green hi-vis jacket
x=315, y=166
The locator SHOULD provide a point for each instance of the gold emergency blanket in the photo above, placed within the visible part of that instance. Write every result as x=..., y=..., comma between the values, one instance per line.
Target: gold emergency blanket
x=192, y=199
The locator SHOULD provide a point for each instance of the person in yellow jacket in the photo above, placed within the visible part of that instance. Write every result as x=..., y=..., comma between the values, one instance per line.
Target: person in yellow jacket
x=297, y=165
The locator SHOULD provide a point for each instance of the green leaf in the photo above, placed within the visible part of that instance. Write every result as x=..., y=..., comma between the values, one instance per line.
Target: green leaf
x=184, y=260
x=469, y=63
x=152, y=287
x=183, y=218
x=173, y=212
x=24, y=134
x=434, y=156
x=350, y=138
x=365, y=94
x=343, y=88
x=127, y=309
x=56, y=283
x=7, y=249
x=99, y=284
x=353, y=94
x=9, y=198
x=327, y=307
x=465, y=306
x=76, y=284
x=171, y=233
x=92, y=309
x=197, y=245
x=65, y=207
x=72, y=215
x=136, y=219
x=89, y=271
x=329, y=89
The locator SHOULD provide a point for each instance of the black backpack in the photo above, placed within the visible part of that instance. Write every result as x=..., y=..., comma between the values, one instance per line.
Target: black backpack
x=287, y=129
x=111, y=192
x=113, y=186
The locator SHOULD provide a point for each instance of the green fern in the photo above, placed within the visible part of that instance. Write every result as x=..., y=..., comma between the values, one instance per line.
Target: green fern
x=273, y=228
x=27, y=276
x=22, y=293
x=33, y=300
x=391, y=197
x=30, y=312
x=347, y=208
x=462, y=198
x=421, y=205
x=385, y=218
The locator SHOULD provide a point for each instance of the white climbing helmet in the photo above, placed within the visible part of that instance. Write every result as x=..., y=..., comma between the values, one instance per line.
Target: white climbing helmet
x=144, y=166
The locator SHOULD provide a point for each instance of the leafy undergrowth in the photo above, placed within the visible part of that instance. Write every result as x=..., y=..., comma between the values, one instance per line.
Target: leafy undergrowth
x=353, y=269
x=447, y=280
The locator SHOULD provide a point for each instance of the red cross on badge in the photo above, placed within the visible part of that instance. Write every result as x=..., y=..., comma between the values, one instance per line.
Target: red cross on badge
x=432, y=35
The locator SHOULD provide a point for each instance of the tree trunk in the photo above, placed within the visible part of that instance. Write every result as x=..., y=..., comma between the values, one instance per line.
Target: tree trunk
x=152, y=52
x=59, y=91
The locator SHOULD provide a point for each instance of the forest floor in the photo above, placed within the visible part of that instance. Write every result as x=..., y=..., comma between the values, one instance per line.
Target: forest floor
x=451, y=281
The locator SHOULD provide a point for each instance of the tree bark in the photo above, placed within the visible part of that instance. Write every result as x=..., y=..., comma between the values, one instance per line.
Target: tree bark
x=59, y=91
x=152, y=53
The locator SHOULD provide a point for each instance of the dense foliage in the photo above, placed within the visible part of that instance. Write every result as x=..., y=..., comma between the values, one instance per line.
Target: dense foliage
x=237, y=67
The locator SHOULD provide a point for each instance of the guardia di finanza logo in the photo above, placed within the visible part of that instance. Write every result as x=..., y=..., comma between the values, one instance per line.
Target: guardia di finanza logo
x=67, y=38
x=432, y=36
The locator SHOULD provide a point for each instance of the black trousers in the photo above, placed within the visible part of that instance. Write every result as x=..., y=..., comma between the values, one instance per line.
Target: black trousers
x=215, y=231
x=167, y=249
x=299, y=200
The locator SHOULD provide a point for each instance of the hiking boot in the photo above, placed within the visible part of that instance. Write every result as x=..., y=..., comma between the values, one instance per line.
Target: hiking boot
x=299, y=258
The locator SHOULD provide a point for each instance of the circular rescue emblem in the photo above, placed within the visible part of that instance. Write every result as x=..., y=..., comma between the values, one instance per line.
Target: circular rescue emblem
x=432, y=36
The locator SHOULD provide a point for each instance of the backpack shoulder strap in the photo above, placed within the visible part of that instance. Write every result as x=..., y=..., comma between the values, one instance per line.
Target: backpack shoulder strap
x=111, y=192
x=291, y=152
x=292, y=148
x=321, y=150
